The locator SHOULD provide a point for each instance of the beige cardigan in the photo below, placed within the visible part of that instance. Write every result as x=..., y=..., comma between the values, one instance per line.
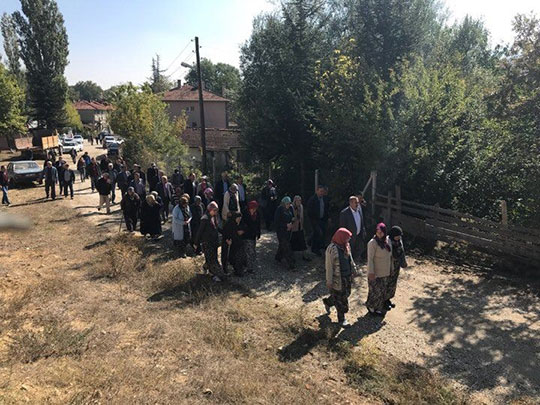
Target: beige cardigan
x=226, y=200
x=298, y=220
x=379, y=261
x=333, y=272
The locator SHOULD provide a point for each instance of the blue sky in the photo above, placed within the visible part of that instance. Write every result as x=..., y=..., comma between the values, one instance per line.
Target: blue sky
x=113, y=41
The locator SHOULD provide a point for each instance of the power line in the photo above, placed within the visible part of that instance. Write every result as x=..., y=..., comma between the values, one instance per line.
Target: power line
x=179, y=67
x=180, y=54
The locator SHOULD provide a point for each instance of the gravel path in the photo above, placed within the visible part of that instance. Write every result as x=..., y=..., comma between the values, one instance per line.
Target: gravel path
x=480, y=329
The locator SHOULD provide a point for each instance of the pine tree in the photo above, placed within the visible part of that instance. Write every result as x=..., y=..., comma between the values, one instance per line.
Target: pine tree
x=44, y=51
x=11, y=47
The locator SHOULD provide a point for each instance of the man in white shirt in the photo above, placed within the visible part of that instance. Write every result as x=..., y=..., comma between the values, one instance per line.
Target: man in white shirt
x=353, y=219
x=241, y=192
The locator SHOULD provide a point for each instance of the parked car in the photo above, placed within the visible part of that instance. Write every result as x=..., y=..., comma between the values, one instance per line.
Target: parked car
x=78, y=139
x=113, y=148
x=24, y=171
x=68, y=145
x=108, y=139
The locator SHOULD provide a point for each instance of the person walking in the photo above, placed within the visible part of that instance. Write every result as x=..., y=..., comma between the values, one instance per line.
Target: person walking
x=50, y=175
x=352, y=218
x=73, y=154
x=87, y=162
x=242, y=193
x=269, y=203
x=298, y=239
x=177, y=178
x=166, y=193
x=81, y=168
x=283, y=223
x=103, y=186
x=399, y=261
x=152, y=176
x=180, y=220
x=68, y=181
x=231, y=202
x=123, y=179
x=94, y=172
x=4, y=183
x=340, y=270
x=138, y=185
x=379, y=264
x=130, y=205
x=208, y=237
x=150, y=218
x=318, y=214
x=197, y=211
x=222, y=186
x=251, y=225
x=190, y=187
x=232, y=245
x=113, y=174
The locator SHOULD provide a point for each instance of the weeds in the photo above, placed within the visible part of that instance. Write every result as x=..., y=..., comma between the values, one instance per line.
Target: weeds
x=122, y=256
x=53, y=340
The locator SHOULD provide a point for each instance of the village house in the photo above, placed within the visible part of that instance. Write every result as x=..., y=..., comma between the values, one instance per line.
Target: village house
x=223, y=146
x=93, y=114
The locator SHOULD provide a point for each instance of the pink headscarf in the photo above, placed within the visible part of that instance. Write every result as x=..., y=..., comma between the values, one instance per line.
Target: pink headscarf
x=342, y=238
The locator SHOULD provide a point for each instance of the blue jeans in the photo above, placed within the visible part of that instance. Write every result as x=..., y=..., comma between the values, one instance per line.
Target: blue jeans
x=5, y=199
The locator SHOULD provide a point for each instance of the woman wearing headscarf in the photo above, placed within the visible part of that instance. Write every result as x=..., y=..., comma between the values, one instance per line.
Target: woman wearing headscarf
x=298, y=240
x=379, y=263
x=208, y=196
x=251, y=225
x=208, y=237
x=178, y=229
x=395, y=239
x=232, y=245
x=150, y=217
x=340, y=269
x=231, y=202
x=283, y=222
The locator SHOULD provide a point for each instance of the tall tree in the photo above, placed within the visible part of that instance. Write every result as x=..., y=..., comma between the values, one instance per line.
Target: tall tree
x=278, y=107
x=87, y=90
x=11, y=102
x=219, y=78
x=158, y=81
x=11, y=46
x=44, y=51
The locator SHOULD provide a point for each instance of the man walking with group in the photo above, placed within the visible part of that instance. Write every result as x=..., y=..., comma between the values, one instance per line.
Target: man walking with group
x=352, y=219
x=50, y=175
x=318, y=214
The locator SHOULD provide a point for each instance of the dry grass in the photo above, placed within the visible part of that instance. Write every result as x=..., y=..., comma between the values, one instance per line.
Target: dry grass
x=383, y=377
x=120, y=257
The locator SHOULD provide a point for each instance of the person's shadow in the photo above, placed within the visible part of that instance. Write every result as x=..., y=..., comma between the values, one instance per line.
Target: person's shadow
x=329, y=333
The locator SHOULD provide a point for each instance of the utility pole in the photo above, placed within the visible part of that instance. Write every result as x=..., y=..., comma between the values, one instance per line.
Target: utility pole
x=201, y=107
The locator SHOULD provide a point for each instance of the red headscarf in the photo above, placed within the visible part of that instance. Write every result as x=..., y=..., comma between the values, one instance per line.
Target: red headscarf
x=342, y=238
x=253, y=205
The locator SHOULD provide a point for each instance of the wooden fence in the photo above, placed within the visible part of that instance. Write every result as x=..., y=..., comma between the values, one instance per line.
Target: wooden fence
x=435, y=223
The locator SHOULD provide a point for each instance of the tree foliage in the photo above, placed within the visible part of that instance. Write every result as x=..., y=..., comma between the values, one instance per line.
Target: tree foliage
x=350, y=86
x=44, y=51
x=11, y=102
x=158, y=82
x=142, y=119
x=219, y=78
x=11, y=47
x=116, y=94
x=86, y=90
x=73, y=119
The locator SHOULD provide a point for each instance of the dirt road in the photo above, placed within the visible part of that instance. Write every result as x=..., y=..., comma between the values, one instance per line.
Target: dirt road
x=476, y=327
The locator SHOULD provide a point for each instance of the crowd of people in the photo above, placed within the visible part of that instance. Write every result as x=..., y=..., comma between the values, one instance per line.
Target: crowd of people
x=206, y=217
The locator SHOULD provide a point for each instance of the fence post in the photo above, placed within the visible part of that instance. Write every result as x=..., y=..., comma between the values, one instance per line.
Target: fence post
x=316, y=179
x=398, y=200
x=504, y=213
x=388, y=219
x=373, y=190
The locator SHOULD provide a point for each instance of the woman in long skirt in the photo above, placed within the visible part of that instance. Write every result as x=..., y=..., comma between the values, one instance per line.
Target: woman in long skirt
x=283, y=223
x=395, y=239
x=379, y=263
x=298, y=240
x=150, y=218
x=208, y=237
x=340, y=269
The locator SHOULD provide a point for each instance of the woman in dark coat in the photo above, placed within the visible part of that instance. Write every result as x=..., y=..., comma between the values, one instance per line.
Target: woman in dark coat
x=298, y=240
x=251, y=225
x=232, y=246
x=208, y=238
x=197, y=211
x=150, y=217
x=395, y=239
x=283, y=222
x=130, y=204
x=269, y=203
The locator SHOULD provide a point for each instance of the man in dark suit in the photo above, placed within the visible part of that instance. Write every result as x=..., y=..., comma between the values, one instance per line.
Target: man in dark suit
x=318, y=214
x=222, y=186
x=190, y=187
x=352, y=218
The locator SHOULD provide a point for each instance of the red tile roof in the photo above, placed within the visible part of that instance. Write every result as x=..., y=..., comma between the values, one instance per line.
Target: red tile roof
x=92, y=105
x=217, y=140
x=190, y=93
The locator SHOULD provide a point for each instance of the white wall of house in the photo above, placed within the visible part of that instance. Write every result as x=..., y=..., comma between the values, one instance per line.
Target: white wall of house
x=215, y=112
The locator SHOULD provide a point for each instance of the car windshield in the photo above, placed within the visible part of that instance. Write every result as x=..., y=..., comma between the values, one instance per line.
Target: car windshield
x=25, y=166
x=70, y=143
